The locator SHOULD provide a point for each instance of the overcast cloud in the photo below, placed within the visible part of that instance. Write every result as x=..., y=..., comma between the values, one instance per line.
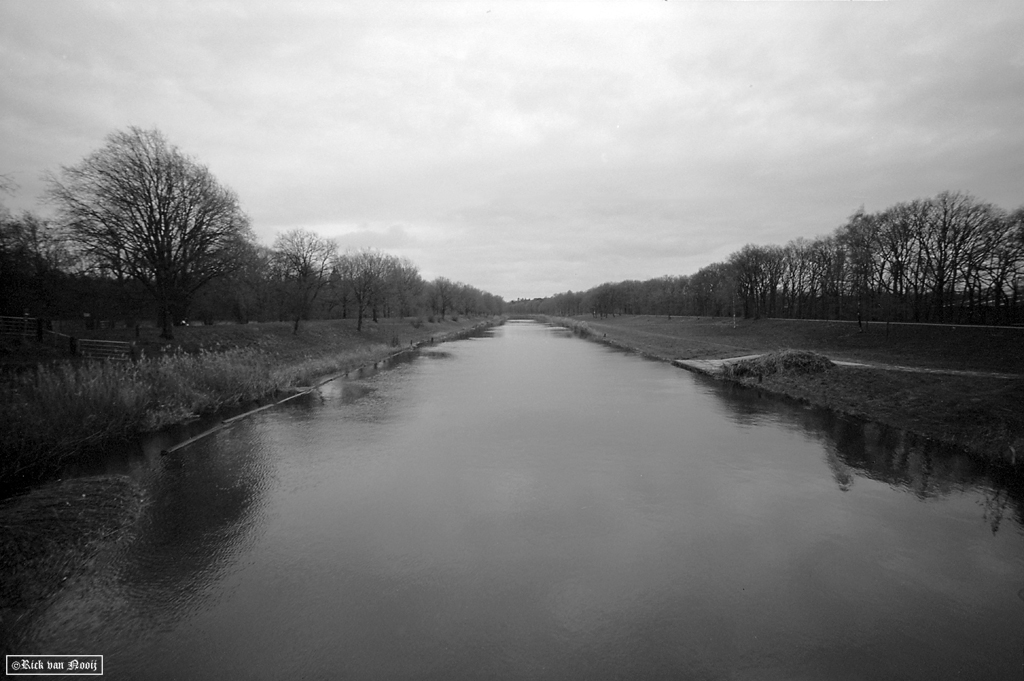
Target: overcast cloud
x=531, y=148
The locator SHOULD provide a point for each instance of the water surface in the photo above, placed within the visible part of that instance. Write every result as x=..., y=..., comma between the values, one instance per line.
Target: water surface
x=528, y=505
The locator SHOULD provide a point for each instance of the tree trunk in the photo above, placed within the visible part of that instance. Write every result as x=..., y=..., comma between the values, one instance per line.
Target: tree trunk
x=166, y=323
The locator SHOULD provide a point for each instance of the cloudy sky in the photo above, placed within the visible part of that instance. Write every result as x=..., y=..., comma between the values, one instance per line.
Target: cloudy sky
x=531, y=148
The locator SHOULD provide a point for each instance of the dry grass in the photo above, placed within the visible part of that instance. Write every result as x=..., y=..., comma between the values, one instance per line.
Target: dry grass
x=309, y=370
x=59, y=411
x=798, y=362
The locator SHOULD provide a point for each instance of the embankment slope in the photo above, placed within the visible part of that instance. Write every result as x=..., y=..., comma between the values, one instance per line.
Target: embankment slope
x=963, y=386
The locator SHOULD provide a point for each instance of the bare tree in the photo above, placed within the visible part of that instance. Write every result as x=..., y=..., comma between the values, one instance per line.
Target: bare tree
x=366, y=269
x=443, y=294
x=305, y=261
x=246, y=294
x=7, y=186
x=404, y=285
x=141, y=207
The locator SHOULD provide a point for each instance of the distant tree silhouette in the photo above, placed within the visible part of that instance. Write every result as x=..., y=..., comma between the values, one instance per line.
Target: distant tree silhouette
x=304, y=261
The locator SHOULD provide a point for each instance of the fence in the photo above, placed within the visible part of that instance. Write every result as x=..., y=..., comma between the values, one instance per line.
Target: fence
x=101, y=349
x=18, y=326
x=82, y=347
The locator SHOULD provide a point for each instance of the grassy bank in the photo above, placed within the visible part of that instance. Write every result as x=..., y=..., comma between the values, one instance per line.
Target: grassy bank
x=978, y=413
x=63, y=409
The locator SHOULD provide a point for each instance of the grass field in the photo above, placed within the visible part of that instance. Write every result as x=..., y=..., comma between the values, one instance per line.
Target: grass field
x=275, y=338
x=970, y=348
x=981, y=414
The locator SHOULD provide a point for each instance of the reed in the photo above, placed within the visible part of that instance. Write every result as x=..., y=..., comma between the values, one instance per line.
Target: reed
x=61, y=410
x=315, y=367
x=182, y=385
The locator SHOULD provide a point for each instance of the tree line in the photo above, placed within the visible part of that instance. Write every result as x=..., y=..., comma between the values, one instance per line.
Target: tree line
x=306, y=276
x=947, y=259
x=144, y=231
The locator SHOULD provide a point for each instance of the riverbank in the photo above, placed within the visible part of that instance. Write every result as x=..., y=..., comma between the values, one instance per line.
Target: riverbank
x=64, y=410
x=62, y=531
x=934, y=381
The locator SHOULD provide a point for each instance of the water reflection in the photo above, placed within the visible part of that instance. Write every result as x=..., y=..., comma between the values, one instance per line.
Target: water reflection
x=203, y=506
x=202, y=509
x=855, y=448
x=350, y=392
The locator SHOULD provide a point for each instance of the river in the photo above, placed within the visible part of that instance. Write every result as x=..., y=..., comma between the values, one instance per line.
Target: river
x=528, y=505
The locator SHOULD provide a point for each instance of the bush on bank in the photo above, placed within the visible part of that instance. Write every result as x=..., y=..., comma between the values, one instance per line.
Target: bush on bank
x=791, y=361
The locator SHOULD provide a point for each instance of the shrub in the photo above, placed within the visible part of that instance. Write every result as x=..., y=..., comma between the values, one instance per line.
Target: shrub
x=784, y=361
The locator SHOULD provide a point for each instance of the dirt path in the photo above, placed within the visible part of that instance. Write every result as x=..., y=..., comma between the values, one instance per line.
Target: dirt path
x=710, y=366
x=928, y=370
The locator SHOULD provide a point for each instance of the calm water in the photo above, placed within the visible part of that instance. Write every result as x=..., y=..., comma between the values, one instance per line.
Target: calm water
x=532, y=506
